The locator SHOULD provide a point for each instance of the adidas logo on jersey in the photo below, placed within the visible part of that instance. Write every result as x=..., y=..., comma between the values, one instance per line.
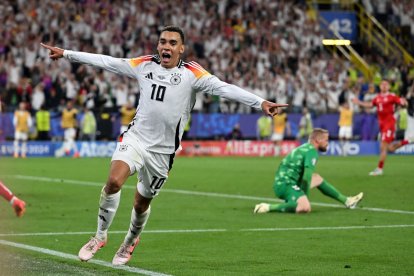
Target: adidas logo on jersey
x=149, y=76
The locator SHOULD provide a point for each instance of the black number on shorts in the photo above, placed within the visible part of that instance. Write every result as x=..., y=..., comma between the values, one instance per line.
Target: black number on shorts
x=157, y=183
x=158, y=94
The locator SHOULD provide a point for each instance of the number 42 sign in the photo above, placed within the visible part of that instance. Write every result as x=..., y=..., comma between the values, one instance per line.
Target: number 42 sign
x=345, y=23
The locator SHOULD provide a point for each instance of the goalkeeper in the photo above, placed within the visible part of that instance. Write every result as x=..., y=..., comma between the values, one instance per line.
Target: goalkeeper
x=295, y=177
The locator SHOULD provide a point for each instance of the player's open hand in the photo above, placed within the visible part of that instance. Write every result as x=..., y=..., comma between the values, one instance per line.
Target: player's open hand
x=355, y=100
x=54, y=52
x=271, y=109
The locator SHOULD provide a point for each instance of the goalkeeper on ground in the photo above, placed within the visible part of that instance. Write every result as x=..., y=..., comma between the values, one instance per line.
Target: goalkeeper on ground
x=295, y=177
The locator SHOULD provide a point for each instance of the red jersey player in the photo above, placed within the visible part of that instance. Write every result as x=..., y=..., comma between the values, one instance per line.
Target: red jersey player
x=385, y=103
x=18, y=205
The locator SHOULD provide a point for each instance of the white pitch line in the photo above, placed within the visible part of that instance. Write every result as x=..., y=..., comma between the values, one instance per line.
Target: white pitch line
x=329, y=228
x=74, y=257
x=186, y=192
x=169, y=231
x=324, y=228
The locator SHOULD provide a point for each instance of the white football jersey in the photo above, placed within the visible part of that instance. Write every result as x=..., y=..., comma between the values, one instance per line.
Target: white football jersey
x=167, y=96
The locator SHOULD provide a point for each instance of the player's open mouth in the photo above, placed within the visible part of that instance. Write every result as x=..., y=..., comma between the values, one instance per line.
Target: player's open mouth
x=166, y=57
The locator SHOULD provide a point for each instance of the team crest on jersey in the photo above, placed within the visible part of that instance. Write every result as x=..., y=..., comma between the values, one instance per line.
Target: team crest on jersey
x=175, y=78
x=123, y=147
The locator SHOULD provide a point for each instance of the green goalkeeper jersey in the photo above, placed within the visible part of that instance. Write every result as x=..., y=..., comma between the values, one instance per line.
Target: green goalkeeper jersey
x=297, y=167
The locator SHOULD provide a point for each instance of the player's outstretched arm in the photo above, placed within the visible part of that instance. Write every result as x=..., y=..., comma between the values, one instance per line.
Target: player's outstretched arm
x=54, y=52
x=270, y=108
x=361, y=103
x=115, y=65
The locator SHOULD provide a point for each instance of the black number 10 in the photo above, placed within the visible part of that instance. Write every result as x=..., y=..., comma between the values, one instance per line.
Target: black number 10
x=158, y=93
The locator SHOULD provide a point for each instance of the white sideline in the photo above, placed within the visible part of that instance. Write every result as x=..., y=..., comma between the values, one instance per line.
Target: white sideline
x=74, y=257
x=324, y=228
x=166, y=190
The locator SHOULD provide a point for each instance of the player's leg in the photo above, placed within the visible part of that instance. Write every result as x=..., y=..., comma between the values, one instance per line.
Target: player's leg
x=125, y=161
x=329, y=190
x=16, y=144
x=398, y=144
x=18, y=205
x=151, y=179
x=66, y=141
x=73, y=144
x=25, y=137
x=108, y=205
x=139, y=217
x=288, y=192
x=383, y=155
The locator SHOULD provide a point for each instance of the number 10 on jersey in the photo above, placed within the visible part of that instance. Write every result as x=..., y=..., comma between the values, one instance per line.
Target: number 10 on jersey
x=158, y=92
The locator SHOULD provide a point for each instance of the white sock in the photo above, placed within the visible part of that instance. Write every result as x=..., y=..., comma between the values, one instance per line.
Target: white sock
x=108, y=204
x=138, y=222
x=16, y=147
x=24, y=148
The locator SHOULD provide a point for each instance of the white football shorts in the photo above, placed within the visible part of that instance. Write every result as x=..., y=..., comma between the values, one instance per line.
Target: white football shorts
x=276, y=137
x=22, y=136
x=345, y=132
x=69, y=134
x=152, y=167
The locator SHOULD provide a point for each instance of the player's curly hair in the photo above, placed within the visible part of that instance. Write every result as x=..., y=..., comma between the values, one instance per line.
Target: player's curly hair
x=175, y=29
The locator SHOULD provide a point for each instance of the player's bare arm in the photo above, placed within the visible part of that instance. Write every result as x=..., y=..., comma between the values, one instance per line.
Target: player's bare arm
x=361, y=103
x=403, y=102
x=271, y=109
x=54, y=52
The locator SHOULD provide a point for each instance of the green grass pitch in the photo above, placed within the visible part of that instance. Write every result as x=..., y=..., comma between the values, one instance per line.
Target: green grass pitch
x=202, y=223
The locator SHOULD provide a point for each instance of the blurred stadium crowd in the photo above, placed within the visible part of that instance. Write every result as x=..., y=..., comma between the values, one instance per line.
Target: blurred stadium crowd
x=271, y=48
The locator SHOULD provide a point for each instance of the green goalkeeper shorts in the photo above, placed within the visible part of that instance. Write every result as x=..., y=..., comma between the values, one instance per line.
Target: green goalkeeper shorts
x=287, y=191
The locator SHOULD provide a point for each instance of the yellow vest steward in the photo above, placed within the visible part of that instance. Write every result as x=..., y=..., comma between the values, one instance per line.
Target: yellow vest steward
x=69, y=118
x=22, y=120
x=43, y=120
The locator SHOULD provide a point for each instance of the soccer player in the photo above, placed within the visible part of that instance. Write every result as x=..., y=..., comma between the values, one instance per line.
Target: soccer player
x=69, y=124
x=168, y=88
x=345, y=125
x=295, y=177
x=22, y=122
x=385, y=103
x=18, y=205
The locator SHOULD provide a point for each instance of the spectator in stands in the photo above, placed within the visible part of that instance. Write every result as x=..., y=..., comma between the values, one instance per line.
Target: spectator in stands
x=235, y=133
x=38, y=97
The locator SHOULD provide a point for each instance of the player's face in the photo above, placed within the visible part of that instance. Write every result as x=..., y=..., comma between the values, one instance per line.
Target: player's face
x=384, y=86
x=170, y=47
x=323, y=142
